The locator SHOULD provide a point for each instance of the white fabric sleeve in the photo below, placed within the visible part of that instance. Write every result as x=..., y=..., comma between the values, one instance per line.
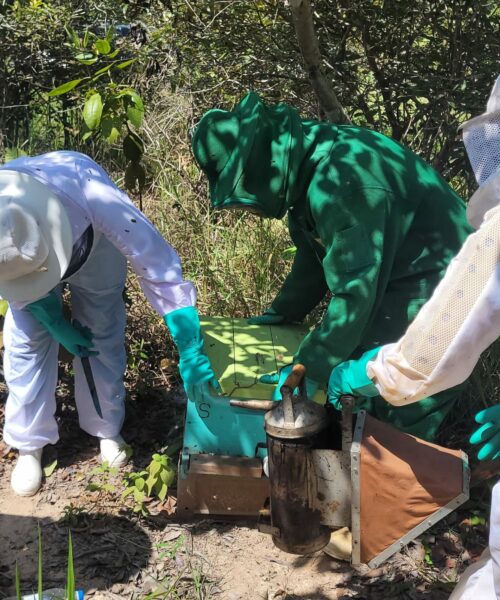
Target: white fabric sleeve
x=155, y=262
x=462, y=318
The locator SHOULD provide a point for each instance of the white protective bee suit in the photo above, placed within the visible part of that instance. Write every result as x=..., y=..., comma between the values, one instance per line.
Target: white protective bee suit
x=120, y=232
x=444, y=342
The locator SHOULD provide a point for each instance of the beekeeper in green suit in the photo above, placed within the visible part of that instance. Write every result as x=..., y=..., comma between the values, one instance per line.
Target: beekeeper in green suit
x=372, y=223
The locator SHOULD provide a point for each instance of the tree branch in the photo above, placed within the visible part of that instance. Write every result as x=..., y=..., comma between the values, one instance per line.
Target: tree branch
x=309, y=47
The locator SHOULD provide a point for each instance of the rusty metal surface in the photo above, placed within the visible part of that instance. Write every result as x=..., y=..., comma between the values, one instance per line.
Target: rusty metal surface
x=253, y=404
x=332, y=496
x=355, y=455
x=292, y=494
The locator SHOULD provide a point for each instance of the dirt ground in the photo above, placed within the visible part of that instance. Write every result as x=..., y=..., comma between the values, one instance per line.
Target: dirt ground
x=118, y=554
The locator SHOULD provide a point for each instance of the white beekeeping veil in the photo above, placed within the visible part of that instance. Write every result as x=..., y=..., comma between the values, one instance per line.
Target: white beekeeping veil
x=481, y=136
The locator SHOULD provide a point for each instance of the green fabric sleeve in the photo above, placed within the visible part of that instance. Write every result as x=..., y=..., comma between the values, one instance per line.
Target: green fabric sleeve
x=305, y=285
x=359, y=256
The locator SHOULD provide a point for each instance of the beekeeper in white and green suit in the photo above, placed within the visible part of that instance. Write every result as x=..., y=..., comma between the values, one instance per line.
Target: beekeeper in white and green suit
x=372, y=223
x=65, y=225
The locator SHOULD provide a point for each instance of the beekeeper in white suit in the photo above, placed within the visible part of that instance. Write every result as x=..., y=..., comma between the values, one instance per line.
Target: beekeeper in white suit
x=444, y=342
x=63, y=221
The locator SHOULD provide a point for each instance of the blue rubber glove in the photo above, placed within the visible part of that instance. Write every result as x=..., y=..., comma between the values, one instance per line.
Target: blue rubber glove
x=194, y=366
x=279, y=378
x=268, y=317
x=489, y=434
x=75, y=338
x=350, y=378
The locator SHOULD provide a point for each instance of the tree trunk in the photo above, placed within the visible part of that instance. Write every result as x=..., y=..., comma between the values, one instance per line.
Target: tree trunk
x=309, y=47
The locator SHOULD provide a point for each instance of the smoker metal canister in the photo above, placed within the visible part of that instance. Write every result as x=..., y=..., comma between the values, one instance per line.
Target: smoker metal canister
x=294, y=428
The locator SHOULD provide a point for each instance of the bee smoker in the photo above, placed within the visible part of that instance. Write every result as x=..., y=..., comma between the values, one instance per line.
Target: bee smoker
x=295, y=427
x=326, y=474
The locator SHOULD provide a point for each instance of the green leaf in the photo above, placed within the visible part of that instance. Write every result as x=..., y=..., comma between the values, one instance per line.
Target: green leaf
x=114, y=54
x=135, y=116
x=110, y=128
x=135, y=175
x=167, y=476
x=70, y=577
x=150, y=484
x=154, y=468
x=18, y=583
x=126, y=63
x=138, y=495
x=65, y=87
x=50, y=468
x=89, y=61
x=93, y=487
x=139, y=483
x=92, y=111
x=133, y=147
x=289, y=252
x=135, y=107
x=85, y=56
x=40, y=569
x=162, y=493
x=4, y=305
x=103, y=70
x=86, y=135
x=103, y=46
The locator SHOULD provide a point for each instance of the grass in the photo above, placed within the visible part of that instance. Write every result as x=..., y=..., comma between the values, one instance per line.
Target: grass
x=70, y=574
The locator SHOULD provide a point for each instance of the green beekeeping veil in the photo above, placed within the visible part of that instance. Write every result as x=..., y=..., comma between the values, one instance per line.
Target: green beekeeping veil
x=249, y=155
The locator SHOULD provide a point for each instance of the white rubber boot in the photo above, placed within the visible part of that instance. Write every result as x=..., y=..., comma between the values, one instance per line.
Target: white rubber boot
x=26, y=477
x=113, y=451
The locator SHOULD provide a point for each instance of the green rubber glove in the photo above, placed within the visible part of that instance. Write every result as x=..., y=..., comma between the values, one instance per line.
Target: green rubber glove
x=350, y=378
x=489, y=434
x=194, y=366
x=279, y=378
x=268, y=317
x=75, y=338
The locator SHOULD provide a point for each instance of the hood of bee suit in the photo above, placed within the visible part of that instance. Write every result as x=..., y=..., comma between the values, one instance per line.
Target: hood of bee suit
x=255, y=156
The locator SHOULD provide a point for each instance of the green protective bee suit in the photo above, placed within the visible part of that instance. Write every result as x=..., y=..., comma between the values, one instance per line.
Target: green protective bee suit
x=372, y=223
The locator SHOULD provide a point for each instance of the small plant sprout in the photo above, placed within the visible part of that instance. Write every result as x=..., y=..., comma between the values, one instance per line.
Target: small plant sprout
x=152, y=482
x=101, y=478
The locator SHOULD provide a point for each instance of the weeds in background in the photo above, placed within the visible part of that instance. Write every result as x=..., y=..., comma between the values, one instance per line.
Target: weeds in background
x=74, y=516
x=237, y=261
x=154, y=481
x=101, y=479
x=189, y=581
